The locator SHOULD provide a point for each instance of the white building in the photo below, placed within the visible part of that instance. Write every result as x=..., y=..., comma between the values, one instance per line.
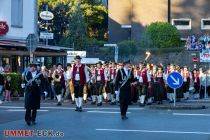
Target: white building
x=21, y=17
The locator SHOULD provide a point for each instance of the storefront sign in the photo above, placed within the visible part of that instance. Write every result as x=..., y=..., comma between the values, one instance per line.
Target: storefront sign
x=4, y=28
x=46, y=15
x=74, y=53
x=205, y=55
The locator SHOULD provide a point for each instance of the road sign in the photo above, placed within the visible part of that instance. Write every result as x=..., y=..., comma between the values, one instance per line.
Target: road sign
x=195, y=59
x=45, y=35
x=46, y=15
x=175, y=80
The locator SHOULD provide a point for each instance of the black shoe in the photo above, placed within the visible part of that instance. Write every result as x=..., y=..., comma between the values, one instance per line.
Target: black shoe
x=149, y=103
x=80, y=109
x=141, y=105
x=113, y=103
x=171, y=101
x=109, y=101
x=34, y=123
x=85, y=101
x=93, y=103
x=99, y=104
x=73, y=102
x=77, y=109
x=59, y=104
x=28, y=123
x=124, y=118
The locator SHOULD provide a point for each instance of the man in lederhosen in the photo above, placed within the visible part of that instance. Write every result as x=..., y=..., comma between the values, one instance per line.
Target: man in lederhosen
x=33, y=81
x=112, y=76
x=144, y=80
x=80, y=77
x=123, y=83
x=101, y=79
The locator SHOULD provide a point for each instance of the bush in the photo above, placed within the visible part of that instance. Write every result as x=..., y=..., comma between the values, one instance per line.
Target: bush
x=162, y=35
x=15, y=81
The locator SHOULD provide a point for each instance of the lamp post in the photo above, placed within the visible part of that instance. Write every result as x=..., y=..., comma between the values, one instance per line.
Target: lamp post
x=115, y=50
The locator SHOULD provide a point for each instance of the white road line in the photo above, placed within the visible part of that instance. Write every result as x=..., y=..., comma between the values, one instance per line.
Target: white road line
x=105, y=112
x=151, y=131
x=13, y=110
x=72, y=108
x=185, y=114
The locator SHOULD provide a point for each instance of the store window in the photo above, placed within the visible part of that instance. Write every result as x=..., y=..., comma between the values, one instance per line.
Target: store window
x=182, y=24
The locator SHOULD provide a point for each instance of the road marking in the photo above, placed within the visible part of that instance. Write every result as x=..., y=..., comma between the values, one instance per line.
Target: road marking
x=13, y=110
x=185, y=114
x=105, y=112
x=151, y=131
x=73, y=108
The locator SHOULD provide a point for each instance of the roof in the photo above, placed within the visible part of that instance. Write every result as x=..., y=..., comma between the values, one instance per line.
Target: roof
x=22, y=43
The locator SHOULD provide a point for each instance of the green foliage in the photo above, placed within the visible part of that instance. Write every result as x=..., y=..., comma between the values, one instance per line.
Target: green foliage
x=76, y=35
x=95, y=16
x=161, y=35
x=15, y=81
x=127, y=47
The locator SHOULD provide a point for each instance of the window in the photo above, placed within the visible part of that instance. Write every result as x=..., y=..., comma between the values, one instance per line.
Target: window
x=205, y=24
x=182, y=24
x=17, y=13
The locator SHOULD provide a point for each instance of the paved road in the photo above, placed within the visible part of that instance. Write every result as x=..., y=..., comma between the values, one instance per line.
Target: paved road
x=104, y=123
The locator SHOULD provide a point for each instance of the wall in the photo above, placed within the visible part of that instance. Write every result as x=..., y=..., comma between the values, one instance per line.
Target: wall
x=29, y=18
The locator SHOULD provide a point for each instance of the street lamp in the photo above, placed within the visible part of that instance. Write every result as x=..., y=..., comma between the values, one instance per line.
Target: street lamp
x=115, y=50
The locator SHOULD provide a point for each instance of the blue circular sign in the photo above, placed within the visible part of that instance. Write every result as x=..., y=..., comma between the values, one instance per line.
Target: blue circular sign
x=174, y=80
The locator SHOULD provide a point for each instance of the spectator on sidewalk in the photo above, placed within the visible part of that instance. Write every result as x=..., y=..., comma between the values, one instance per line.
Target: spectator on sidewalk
x=7, y=85
x=1, y=83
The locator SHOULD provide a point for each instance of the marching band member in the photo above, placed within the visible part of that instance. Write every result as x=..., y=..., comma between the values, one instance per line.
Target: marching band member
x=59, y=82
x=196, y=81
x=33, y=81
x=101, y=78
x=80, y=78
x=144, y=80
x=187, y=77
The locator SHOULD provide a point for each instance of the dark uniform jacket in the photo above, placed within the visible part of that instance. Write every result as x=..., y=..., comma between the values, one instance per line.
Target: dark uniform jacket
x=125, y=90
x=33, y=91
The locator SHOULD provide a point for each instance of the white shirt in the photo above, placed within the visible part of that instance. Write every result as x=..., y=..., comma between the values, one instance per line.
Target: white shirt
x=33, y=74
x=77, y=75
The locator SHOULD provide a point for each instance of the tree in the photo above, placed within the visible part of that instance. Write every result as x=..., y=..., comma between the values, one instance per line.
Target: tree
x=95, y=15
x=76, y=35
x=163, y=35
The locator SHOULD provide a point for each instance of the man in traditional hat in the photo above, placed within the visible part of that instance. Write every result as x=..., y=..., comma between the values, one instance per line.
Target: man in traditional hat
x=123, y=83
x=79, y=77
x=33, y=80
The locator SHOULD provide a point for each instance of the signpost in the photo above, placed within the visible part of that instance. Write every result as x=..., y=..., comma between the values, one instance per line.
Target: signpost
x=174, y=80
x=46, y=15
x=45, y=35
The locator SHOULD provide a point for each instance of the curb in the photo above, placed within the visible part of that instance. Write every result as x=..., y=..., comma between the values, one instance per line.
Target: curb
x=179, y=107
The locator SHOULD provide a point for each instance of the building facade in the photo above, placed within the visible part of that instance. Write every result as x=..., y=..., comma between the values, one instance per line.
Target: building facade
x=129, y=18
x=19, y=33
